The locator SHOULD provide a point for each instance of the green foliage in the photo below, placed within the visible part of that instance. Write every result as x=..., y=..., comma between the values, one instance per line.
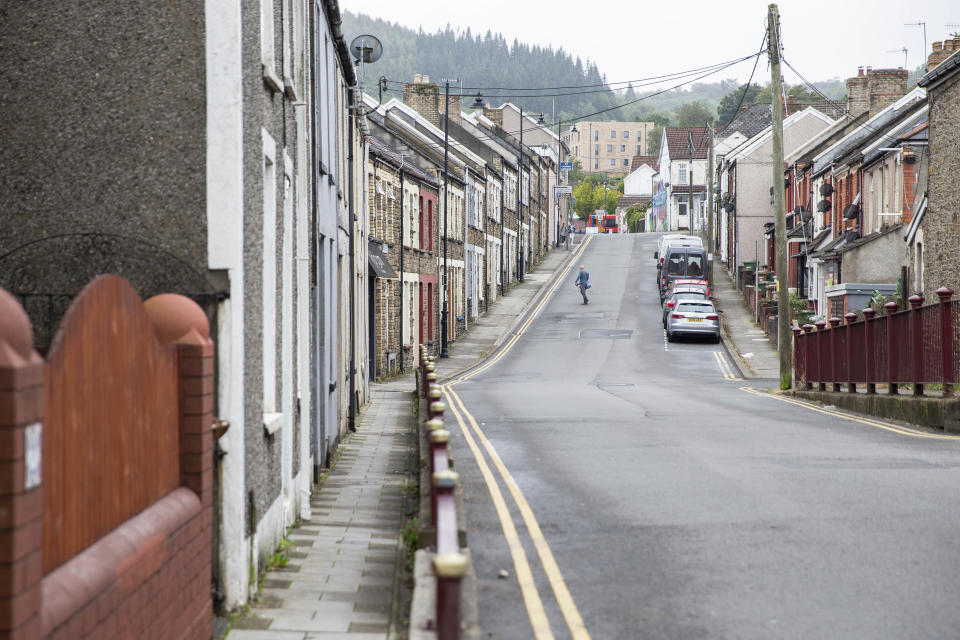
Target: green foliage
x=728, y=104
x=575, y=176
x=590, y=194
x=411, y=534
x=635, y=214
x=654, y=139
x=693, y=114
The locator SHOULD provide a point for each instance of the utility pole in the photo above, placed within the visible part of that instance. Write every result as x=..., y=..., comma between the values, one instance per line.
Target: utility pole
x=785, y=339
x=520, y=204
x=710, y=230
x=444, y=350
x=690, y=214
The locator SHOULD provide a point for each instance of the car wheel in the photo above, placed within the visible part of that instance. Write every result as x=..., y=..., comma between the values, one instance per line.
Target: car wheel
x=669, y=337
x=716, y=339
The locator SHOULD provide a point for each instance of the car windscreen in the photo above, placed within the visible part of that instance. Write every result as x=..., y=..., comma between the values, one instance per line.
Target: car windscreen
x=691, y=307
x=694, y=264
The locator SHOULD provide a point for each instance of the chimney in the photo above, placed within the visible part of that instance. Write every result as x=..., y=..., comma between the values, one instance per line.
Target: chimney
x=884, y=87
x=424, y=97
x=494, y=115
x=941, y=51
x=858, y=99
x=455, y=108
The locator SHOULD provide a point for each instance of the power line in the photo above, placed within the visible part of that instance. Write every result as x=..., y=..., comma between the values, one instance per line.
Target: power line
x=606, y=87
x=746, y=87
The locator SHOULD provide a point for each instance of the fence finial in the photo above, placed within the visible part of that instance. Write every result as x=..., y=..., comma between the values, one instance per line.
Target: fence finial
x=177, y=319
x=15, y=331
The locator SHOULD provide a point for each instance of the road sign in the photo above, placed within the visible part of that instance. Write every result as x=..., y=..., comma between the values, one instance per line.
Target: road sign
x=566, y=166
x=559, y=192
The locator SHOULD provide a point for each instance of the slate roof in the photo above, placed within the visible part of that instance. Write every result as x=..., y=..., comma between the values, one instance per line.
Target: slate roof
x=678, y=142
x=948, y=67
x=377, y=147
x=650, y=161
x=629, y=201
x=833, y=109
x=749, y=121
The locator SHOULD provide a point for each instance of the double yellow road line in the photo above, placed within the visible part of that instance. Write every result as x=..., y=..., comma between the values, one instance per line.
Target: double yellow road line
x=877, y=424
x=725, y=368
x=482, y=449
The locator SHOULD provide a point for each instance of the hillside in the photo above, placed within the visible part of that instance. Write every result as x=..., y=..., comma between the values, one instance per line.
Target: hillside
x=488, y=60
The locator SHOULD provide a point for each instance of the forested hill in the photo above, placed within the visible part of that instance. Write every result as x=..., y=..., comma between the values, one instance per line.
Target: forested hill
x=486, y=60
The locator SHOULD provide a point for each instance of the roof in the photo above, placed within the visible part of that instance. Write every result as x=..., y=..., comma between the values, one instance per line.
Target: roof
x=685, y=188
x=637, y=161
x=827, y=107
x=379, y=148
x=853, y=243
x=946, y=68
x=678, y=142
x=749, y=121
x=629, y=201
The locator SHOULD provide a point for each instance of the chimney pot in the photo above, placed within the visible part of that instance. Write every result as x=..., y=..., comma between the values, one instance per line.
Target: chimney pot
x=859, y=71
x=416, y=79
x=426, y=78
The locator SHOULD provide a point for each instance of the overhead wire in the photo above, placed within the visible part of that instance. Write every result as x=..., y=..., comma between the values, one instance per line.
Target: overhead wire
x=746, y=87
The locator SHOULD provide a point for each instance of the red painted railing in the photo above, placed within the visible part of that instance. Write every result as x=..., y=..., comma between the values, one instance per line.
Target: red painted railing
x=449, y=564
x=916, y=346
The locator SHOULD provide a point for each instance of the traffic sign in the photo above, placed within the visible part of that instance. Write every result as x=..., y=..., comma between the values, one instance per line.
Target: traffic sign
x=559, y=192
x=566, y=166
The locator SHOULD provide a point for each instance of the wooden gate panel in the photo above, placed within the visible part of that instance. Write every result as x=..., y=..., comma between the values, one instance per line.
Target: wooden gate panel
x=111, y=434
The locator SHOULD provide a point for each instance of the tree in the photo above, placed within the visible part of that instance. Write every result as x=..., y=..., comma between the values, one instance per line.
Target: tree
x=693, y=114
x=727, y=108
x=586, y=198
x=654, y=138
x=575, y=176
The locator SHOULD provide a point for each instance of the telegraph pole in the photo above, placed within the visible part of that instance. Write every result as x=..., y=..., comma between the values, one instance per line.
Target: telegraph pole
x=444, y=351
x=710, y=230
x=520, y=204
x=785, y=339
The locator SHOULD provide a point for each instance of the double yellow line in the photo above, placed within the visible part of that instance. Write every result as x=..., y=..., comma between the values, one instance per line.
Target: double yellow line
x=725, y=368
x=472, y=434
x=878, y=424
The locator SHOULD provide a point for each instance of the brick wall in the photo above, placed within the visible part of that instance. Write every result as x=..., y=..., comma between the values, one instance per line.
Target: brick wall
x=858, y=100
x=940, y=223
x=884, y=87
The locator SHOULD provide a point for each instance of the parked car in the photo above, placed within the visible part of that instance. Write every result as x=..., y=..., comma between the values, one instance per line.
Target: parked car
x=681, y=262
x=670, y=240
x=696, y=284
x=699, y=318
x=682, y=294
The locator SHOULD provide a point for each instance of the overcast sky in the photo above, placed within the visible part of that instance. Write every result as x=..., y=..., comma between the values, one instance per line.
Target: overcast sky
x=823, y=39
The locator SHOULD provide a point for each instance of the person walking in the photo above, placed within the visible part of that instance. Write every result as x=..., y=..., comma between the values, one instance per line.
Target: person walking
x=583, y=283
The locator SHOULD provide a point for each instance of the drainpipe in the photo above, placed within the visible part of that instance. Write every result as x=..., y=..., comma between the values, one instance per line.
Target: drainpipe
x=402, y=198
x=352, y=415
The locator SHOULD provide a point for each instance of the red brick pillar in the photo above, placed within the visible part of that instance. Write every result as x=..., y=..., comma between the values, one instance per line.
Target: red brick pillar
x=21, y=495
x=180, y=321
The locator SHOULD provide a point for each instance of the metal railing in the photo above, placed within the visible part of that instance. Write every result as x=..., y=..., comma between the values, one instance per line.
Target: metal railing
x=449, y=564
x=917, y=347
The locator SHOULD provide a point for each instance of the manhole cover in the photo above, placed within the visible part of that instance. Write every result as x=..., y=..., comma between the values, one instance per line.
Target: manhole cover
x=606, y=334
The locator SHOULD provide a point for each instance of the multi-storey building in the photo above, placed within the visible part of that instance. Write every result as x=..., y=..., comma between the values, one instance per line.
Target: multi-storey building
x=606, y=146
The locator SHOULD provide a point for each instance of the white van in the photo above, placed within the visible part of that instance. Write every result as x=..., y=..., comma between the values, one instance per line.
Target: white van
x=674, y=239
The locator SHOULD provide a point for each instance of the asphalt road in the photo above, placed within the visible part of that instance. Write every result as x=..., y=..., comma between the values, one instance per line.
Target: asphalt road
x=678, y=505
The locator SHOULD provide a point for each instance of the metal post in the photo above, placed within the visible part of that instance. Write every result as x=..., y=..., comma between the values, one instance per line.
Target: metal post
x=891, y=308
x=783, y=295
x=520, y=205
x=401, y=265
x=444, y=350
x=946, y=342
x=916, y=329
x=711, y=246
x=869, y=350
x=850, y=317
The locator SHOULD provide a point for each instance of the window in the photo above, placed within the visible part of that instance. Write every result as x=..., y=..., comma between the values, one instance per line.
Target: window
x=421, y=213
x=675, y=265
x=266, y=33
x=681, y=172
x=639, y=152
x=613, y=134
x=682, y=205
x=596, y=164
x=626, y=162
x=613, y=162
x=596, y=135
x=639, y=135
x=626, y=134
x=623, y=148
x=596, y=149
x=609, y=148
x=694, y=265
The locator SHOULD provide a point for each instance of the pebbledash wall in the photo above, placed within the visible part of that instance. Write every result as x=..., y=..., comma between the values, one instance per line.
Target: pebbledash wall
x=941, y=222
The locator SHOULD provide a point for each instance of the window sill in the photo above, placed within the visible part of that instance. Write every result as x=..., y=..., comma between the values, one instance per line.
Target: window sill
x=272, y=422
x=271, y=79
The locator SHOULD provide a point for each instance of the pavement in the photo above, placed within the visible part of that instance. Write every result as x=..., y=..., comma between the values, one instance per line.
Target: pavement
x=745, y=340
x=340, y=579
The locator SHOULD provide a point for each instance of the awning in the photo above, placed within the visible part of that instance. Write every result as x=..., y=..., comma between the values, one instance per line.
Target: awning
x=378, y=262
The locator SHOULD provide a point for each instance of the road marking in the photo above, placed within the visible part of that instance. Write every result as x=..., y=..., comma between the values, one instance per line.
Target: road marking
x=508, y=345
x=725, y=368
x=531, y=596
x=528, y=588
x=666, y=341
x=886, y=426
x=564, y=600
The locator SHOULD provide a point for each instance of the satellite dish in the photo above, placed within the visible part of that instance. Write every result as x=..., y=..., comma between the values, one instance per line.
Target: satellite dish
x=366, y=48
